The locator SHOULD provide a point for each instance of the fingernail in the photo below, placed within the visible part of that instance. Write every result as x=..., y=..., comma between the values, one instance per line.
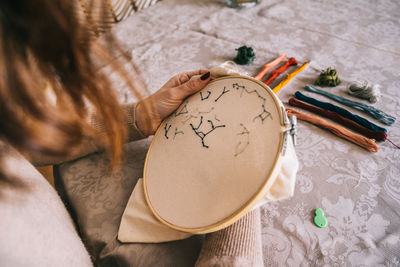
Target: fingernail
x=205, y=76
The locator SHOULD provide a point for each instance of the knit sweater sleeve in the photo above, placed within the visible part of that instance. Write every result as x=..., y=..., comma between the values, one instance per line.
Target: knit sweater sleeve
x=238, y=245
x=129, y=112
x=92, y=144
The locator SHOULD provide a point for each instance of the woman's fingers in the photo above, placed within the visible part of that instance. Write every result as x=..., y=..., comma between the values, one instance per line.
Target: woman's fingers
x=197, y=72
x=186, y=76
x=181, y=78
x=168, y=98
x=194, y=84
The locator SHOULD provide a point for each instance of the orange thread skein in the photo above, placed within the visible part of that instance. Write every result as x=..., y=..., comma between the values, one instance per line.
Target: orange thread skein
x=269, y=66
x=275, y=73
x=338, y=130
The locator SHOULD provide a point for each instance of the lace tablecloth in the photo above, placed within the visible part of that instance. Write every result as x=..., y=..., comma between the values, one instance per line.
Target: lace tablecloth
x=359, y=191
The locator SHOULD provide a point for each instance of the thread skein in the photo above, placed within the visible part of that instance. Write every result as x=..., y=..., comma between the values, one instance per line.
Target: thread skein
x=278, y=71
x=245, y=55
x=365, y=90
x=336, y=129
x=269, y=66
x=328, y=78
x=378, y=136
x=370, y=110
x=345, y=113
x=289, y=77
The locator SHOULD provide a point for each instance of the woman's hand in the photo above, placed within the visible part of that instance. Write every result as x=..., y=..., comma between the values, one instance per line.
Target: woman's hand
x=152, y=110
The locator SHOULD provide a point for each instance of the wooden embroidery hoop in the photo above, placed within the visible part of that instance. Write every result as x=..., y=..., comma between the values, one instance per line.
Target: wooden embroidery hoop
x=152, y=195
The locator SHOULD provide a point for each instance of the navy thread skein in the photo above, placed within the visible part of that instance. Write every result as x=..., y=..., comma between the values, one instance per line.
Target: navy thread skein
x=347, y=114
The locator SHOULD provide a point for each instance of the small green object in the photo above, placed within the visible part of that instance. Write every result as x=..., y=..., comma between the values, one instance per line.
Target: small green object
x=320, y=219
x=245, y=55
x=328, y=78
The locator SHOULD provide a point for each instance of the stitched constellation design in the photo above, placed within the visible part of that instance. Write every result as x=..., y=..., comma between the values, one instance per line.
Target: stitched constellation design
x=182, y=111
x=264, y=114
x=188, y=118
x=215, y=117
x=223, y=92
x=203, y=112
x=166, y=129
x=177, y=132
x=197, y=112
x=201, y=134
x=205, y=97
x=240, y=147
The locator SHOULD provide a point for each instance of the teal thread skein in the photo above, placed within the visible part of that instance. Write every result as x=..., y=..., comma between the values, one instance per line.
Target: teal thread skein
x=370, y=110
x=347, y=114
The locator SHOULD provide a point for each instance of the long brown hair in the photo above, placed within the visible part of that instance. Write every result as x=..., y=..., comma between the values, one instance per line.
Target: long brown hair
x=42, y=44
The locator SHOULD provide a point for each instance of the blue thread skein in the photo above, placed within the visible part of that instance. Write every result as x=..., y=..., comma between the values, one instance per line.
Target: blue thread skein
x=370, y=110
x=328, y=106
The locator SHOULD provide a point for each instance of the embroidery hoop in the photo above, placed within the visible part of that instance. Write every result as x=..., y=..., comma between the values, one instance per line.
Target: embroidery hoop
x=153, y=189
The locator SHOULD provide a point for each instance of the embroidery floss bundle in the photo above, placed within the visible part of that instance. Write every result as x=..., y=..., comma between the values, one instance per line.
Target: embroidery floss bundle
x=365, y=90
x=275, y=73
x=245, y=55
x=328, y=78
x=378, y=136
x=370, y=110
x=269, y=66
x=336, y=129
x=289, y=77
x=345, y=113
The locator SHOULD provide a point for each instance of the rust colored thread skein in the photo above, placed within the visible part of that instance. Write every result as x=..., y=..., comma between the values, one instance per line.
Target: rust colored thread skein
x=379, y=136
x=275, y=73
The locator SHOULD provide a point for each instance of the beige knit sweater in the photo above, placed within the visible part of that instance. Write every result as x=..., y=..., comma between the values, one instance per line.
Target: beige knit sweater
x=36, y=229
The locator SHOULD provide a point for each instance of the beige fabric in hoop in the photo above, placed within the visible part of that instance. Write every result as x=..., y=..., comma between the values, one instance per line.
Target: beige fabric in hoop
x=138, y=223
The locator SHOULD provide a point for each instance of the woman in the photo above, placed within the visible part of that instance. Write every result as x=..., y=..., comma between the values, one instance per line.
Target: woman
x=43, y=46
